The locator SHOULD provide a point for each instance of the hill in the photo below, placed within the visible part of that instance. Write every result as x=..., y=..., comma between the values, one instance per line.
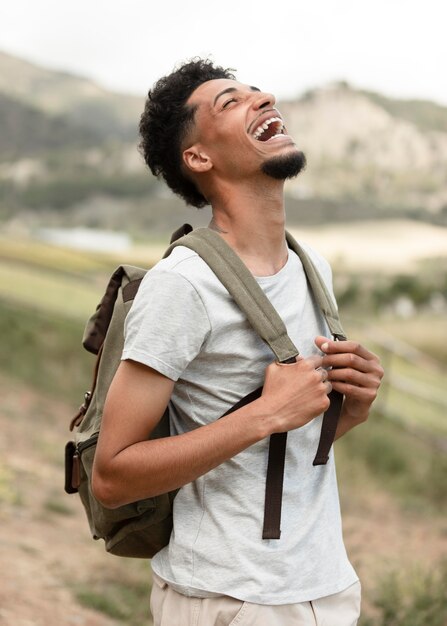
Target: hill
x=82, y=100
x=370, y=148
x=28, y=131
x=69, y=155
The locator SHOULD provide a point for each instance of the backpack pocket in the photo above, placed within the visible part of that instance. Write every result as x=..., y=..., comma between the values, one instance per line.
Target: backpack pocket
x=138, y=529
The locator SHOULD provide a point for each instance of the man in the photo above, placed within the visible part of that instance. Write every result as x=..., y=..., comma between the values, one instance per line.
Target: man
x=217, y=141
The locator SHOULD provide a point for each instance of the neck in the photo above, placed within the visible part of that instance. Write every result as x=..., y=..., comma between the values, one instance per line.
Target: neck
x=251, y=219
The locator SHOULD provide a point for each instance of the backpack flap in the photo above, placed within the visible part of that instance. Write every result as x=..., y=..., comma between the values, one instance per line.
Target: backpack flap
x=107, y=322
x=97, y=325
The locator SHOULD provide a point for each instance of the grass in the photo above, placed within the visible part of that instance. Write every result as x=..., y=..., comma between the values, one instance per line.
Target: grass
x=9, y=493
x=56, y=505
x=413, y=389
x=53, y=293
x=80, y=263
x=425, y=331
x=45, y=351
x=380, y=454
x=411, y=598
x=122, y=595
x=49, y=257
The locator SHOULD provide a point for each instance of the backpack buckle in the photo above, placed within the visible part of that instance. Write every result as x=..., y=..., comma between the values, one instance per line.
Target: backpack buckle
x=77, y=419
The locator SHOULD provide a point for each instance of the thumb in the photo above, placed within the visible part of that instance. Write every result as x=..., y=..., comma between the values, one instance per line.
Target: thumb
x=320, y=341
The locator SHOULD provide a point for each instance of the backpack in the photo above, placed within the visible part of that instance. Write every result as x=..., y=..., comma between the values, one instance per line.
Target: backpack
x=142, y=528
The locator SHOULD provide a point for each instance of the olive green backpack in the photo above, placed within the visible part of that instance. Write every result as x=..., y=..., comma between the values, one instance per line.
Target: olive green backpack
x=142, y=528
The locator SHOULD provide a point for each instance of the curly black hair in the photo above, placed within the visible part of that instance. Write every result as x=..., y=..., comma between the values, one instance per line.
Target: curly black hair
x=165, y=121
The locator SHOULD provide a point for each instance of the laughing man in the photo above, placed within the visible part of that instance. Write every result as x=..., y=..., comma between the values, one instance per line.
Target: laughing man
x=219, y=142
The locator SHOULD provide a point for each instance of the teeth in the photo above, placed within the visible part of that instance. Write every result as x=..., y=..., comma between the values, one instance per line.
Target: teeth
x=264, y=126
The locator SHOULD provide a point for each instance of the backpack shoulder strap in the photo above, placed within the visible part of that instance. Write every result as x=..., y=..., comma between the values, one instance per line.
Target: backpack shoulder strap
x=242, y=286
x=319, y=289
x=264, y=319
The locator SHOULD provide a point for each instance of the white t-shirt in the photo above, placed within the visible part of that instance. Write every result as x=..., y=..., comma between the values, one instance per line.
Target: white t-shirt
x=184, y=324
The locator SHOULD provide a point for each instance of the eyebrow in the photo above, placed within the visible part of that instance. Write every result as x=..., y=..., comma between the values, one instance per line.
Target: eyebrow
x=231, y=90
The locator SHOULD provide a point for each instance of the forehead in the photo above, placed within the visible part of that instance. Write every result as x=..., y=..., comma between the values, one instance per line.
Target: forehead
x=207, y=92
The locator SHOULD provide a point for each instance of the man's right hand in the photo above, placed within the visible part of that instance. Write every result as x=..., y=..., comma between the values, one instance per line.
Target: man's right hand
x=295, y=393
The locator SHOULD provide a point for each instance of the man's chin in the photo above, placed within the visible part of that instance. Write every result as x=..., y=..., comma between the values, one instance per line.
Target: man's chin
x=284, y=166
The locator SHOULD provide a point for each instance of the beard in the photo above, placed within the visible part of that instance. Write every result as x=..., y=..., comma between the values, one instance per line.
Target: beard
x=286, y=166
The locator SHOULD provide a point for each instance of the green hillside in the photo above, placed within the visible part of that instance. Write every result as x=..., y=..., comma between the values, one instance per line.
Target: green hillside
x=27, y=131
x=424, y=114
x=57, y=92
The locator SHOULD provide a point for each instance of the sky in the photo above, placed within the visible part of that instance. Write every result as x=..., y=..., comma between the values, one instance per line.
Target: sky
x=397, y=47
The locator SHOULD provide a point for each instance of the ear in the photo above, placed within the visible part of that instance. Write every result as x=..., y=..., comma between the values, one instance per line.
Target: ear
x=196, y=160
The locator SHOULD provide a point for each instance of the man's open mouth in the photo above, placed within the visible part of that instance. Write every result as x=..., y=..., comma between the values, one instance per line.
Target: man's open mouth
x=270, y=128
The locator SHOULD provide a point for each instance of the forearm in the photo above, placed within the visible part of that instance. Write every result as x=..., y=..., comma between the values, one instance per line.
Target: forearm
x=346, y=424
x=129, y=467
x=149, y=468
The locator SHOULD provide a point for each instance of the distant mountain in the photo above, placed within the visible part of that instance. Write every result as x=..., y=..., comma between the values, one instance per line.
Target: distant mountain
x=80, y=99
x=68, y=148
x=424, y=114
x=28, y=131
x=366, y=147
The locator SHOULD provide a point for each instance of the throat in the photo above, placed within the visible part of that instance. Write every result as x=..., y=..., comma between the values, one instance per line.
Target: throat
x=250, y=217
x=262, y=246
x=264, y=264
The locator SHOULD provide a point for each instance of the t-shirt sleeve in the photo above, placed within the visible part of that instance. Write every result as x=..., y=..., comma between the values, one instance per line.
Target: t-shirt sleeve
x=167, y=324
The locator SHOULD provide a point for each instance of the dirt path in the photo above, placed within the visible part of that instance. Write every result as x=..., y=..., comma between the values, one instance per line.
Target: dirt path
x=45, y=550
x=47, y=556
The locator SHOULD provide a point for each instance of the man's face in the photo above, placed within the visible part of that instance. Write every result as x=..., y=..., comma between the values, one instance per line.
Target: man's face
x=240, y=129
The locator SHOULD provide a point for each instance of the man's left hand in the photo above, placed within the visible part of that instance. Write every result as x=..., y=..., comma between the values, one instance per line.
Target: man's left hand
x=353, y=371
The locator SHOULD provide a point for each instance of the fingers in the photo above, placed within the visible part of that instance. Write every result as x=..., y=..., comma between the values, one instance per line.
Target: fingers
x=297, y=392
x=353, y=377
x=314, y=362
x=365, y=395
x=325, y=379
x=310, y=364
x=323, y=373
x=329, y=346
x=349, y=354
x=348, y=360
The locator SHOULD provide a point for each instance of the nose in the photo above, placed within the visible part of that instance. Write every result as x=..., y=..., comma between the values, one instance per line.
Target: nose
x=263, y=100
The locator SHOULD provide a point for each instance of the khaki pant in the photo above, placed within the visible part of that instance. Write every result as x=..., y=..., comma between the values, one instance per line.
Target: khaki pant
x=170, y=608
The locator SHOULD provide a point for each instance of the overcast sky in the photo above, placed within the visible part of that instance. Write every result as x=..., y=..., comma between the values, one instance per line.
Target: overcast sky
x=397, y=47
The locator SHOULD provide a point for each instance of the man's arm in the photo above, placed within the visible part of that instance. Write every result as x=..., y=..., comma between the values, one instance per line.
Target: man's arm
x=129, y=467
x=356, y=372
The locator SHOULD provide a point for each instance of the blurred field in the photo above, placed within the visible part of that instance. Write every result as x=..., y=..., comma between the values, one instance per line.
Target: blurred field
x=391, y=471
x=389, y=246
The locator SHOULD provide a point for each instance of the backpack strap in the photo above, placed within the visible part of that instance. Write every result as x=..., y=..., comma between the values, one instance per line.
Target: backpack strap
x=240, y=283
x=319, y=289
x=330, y=312
x=263, y=317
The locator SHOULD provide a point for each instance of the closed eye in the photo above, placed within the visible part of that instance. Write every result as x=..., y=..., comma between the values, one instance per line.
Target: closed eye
x=225, y=104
